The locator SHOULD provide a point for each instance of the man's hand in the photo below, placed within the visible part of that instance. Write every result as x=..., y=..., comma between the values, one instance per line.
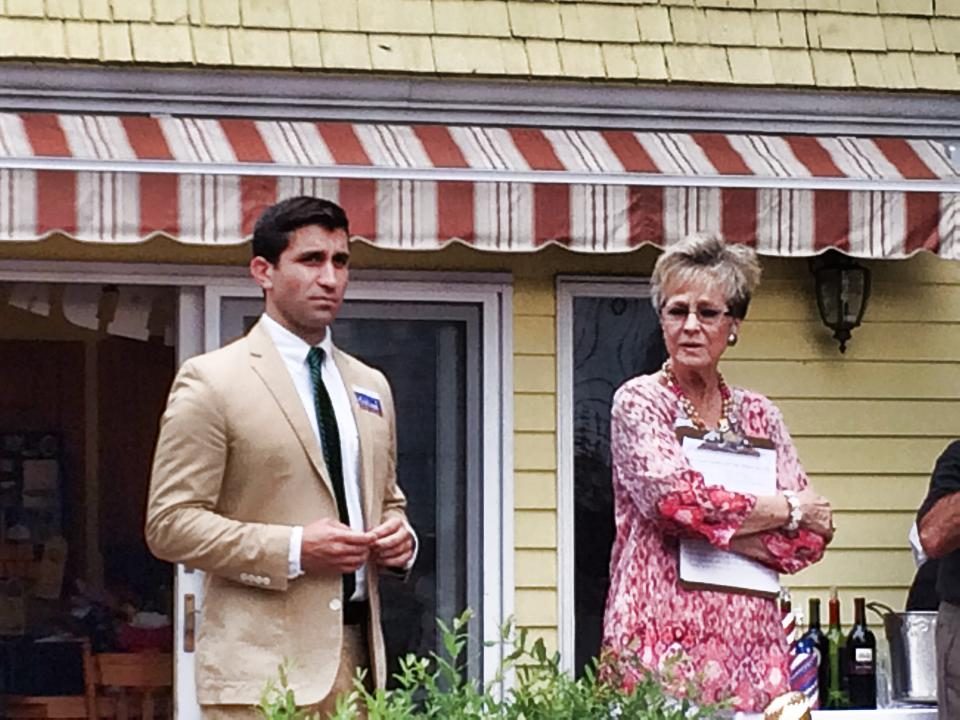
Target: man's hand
x=815, y=513
x=940, y=527
x=394, y=543
x=331, y=548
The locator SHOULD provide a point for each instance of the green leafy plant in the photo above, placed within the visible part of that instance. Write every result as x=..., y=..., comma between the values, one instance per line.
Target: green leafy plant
x=277, y=701
x=439, y=687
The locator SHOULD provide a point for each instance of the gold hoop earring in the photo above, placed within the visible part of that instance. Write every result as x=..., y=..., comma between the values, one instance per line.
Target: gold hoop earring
x=732, y=339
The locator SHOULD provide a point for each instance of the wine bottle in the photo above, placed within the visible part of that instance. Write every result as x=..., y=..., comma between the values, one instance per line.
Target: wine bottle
x=861, y=661
x=815, y=638
x=836, y=695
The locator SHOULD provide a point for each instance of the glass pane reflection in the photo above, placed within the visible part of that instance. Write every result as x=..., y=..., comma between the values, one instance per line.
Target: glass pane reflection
x=614, y=339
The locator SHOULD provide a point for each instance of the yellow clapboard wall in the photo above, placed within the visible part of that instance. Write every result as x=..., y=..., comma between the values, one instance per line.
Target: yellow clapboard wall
x=869, y=424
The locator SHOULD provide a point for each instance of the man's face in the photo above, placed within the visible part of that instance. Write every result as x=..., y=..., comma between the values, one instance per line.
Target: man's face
x=305, y=289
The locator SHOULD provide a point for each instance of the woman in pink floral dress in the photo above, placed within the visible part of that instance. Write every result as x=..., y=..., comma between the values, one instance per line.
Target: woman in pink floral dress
x=728, y=644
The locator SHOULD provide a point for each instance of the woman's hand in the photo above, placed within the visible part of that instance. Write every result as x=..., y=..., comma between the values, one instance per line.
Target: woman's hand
x=815, y=513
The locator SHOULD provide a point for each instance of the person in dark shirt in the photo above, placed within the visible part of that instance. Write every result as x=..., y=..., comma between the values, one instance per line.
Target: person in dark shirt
x=939, y=523
x=923, y=590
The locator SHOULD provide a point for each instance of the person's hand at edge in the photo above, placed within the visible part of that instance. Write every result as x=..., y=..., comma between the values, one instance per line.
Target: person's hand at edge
x=330, y=547
x=394, y=543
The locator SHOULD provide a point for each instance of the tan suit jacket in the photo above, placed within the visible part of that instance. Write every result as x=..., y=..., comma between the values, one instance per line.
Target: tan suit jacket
x=237, y=464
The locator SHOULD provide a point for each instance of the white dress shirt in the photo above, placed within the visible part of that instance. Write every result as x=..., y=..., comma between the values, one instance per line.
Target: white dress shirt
x=293, y=350
x=919, y=556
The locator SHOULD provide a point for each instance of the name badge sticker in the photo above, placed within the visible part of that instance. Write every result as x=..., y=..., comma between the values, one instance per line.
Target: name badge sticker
x=368, y=400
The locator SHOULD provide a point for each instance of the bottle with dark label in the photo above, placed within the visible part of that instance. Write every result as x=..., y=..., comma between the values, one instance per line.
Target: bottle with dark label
x=861, y=661
x=836, y=665
x=815, y=639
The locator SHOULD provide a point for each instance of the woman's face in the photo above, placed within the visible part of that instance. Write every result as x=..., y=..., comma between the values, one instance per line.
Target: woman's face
x=696, y=324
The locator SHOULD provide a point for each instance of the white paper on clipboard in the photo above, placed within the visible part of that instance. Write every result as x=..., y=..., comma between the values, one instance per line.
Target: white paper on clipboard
x=755, y=474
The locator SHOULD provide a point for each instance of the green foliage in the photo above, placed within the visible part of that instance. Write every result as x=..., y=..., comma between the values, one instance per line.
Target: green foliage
x=277, y=702
x=529, y=685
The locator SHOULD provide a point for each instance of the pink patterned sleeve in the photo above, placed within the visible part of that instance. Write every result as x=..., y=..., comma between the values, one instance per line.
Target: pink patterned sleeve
x=789, y=554
x=650, y=468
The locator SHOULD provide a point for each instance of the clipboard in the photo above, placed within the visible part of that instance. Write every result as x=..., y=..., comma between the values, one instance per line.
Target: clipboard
x=685, y=431
x=740, y=464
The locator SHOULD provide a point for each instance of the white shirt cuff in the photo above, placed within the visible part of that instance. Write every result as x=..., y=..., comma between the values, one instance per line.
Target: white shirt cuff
x=416, y=547
x=293, y=557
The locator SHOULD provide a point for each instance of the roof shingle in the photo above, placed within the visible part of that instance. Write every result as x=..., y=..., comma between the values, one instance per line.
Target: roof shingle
x=894, y=44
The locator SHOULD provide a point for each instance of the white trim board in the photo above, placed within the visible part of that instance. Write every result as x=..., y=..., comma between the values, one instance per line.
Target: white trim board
x=478, y=175
x=58, y=87
x=568, y=288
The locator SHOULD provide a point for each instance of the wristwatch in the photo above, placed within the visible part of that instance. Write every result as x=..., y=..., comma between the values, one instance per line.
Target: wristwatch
x=793, y=520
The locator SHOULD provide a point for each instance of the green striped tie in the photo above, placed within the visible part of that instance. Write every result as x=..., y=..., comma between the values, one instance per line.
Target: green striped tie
x=330, y=442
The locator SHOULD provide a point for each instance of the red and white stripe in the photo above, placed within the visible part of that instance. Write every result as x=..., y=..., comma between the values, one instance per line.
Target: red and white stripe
x=201, y=180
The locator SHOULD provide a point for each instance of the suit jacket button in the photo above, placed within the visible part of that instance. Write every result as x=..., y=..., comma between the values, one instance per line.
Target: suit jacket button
x=335, y=604
x=266, y=581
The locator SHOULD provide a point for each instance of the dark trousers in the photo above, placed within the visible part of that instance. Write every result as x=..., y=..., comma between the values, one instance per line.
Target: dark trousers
x=948, y=661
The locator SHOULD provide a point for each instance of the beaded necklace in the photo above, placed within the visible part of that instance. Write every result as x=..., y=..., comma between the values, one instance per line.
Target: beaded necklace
x=726, y=400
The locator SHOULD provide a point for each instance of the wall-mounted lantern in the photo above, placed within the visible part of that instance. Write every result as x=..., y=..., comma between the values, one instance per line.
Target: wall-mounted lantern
x=843, y=288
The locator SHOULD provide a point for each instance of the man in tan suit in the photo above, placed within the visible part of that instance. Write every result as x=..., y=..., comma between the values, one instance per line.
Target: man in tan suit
x=275, y=474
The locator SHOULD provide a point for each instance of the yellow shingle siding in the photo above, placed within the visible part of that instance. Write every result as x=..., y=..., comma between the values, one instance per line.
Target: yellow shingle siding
x=161, y=43
x=398, y=52
x=82, y=39
x=61, y=9
x=221, y=12
x=840, y=44
x=868, y=424
x=137, y=10
x=25, y=8
x=484, y=18
x=115, y=44
x=535, y=454
x=30, y=37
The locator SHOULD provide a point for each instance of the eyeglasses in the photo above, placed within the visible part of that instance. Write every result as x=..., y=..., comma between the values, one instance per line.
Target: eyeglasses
x=707, y=316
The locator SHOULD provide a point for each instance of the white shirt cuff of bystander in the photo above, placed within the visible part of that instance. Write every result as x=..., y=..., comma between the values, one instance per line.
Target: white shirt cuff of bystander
x=293, y=557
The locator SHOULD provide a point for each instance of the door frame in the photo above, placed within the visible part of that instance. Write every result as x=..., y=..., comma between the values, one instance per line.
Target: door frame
x=494, y=294
x=201, y=286
x=568, y=288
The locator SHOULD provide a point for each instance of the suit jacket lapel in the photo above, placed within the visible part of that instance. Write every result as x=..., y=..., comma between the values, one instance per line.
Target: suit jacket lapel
x=365, y=433
x=267, y=363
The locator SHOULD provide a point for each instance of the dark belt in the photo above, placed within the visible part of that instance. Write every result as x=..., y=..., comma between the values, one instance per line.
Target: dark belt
x=356, y=612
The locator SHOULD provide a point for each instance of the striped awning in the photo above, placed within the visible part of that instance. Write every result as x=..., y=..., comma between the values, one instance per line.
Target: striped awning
x=103, y=178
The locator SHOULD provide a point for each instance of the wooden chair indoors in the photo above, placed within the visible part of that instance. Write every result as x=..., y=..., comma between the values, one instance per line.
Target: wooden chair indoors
x=62, y=707
x=116, y=685
x=135, y=684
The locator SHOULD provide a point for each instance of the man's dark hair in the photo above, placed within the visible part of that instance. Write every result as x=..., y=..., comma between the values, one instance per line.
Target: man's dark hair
x=271, y=235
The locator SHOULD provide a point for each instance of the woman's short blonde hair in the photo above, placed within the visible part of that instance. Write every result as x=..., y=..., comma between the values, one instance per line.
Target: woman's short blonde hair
x=700, y=258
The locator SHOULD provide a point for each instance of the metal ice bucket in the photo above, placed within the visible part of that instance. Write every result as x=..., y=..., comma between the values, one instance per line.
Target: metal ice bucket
x=913, y=660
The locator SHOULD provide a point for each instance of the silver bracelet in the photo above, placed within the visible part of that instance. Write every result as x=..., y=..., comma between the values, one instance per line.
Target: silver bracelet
x=793, y=520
